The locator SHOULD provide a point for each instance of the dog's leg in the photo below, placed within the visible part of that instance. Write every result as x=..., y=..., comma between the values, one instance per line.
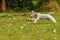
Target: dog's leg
x=36, y=20
x=32, y=19
x=51, y=18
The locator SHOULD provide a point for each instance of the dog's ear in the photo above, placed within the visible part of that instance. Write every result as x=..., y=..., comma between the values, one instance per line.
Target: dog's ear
x=32, y=12
x=35, y=14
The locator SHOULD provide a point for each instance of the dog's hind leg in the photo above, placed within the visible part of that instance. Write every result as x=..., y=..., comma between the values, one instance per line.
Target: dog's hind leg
x=52, y=19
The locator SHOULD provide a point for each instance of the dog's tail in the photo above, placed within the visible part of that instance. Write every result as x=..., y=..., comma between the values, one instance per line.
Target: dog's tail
x=51, y=13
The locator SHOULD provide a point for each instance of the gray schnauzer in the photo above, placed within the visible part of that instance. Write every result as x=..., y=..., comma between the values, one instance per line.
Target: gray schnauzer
x=35, y=16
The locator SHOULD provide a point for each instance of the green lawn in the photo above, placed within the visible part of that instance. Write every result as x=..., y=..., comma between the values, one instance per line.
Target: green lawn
x=18, y=27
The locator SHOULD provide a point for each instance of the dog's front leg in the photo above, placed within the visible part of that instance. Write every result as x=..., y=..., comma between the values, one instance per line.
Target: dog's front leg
x=36, y=20
x=32, y=19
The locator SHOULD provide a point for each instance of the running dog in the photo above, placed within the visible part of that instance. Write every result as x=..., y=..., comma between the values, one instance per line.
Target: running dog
x=35, y=16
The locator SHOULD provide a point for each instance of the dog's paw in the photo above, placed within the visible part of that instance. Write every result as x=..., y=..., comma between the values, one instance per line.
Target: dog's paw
x=55, y=22
x=34, y=22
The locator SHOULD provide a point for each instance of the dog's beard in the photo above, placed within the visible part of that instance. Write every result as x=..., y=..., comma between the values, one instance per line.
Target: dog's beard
x=33, y=17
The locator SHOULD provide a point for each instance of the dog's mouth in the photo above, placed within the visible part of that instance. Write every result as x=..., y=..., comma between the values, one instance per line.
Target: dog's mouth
x=33, y=16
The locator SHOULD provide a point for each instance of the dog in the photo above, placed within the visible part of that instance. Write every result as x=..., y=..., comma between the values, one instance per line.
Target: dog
x=35, y=16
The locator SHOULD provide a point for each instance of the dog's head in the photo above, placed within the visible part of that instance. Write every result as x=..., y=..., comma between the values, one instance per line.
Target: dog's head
x=33, y=14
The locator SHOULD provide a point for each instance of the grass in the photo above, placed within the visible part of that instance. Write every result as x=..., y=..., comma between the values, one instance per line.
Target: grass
x=18, y=27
